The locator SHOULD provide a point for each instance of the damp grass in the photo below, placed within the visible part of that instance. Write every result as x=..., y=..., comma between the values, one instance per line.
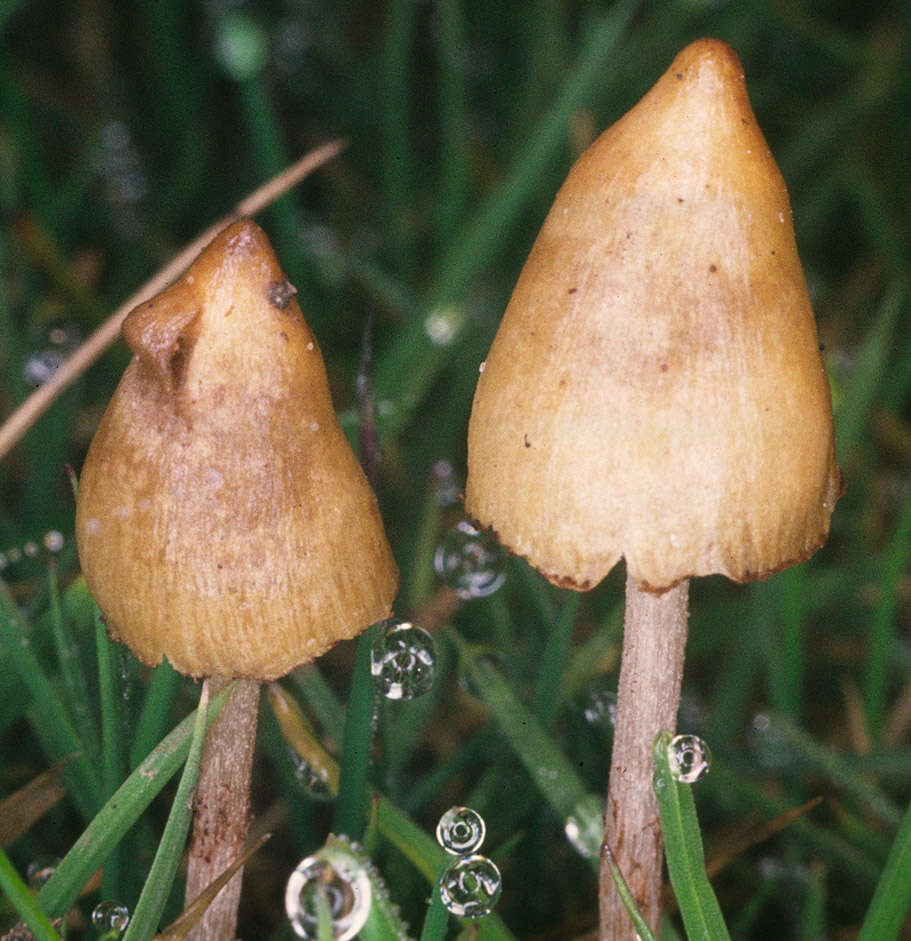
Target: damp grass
x=120, y=813
x=699, y=906
x=461, y=122
x=145, y=919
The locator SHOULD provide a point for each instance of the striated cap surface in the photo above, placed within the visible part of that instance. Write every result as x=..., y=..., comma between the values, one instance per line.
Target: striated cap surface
x=222, y=518
x=655, y=388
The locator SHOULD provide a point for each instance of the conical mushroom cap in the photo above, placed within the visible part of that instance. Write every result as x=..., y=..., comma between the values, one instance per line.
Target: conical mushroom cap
x=655, y=389
x=222, y=519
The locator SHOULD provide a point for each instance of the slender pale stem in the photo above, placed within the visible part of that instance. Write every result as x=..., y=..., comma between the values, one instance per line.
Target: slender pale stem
x=651, y=671
x=222, y=814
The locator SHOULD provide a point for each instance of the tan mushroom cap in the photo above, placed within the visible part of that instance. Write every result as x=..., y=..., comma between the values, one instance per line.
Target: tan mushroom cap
x=222, y=519
x=655, y=388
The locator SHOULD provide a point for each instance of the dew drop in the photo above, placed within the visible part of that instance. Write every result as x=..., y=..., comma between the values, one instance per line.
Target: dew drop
x=769, y=744
x=313, y=780
x=402, y=660
x=689, y=758
x=471, y=886
x=345, y=888
x=599, y=705
x=53, y=540
x=40, y=870
x=41, y=365
x=112, y=918
x=461, y=831
x=446, y=485
x=585, y=826
x=470, y=562
x=241, y=46
x=443, y=324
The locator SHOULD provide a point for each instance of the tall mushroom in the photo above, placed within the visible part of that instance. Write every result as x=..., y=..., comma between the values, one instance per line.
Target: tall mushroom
x=655, y=391
x=222, y=520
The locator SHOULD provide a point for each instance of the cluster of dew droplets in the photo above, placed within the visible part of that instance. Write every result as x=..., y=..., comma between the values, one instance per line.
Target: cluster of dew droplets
x=402, y=660
x=336, y=886
x=470, y=561
x=470, y=885
x=689, y=758
x=111, y=919
x=51, y=542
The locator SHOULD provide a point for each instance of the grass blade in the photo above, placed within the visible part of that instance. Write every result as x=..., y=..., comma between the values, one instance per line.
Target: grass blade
x=22, y=899
x=437, y=918
x=549, y=768
x=838, y=770
x=111, y=742
x=156, y=708
x=167, y=857
x=702, y=916
x=187, y=920
x=623, y=890
x=892, y=897
x=413, y=362
x=852, y=415
x=55, y=725
x=120, y=813
x=350, y=807
x=885, y=622
x=74, y=684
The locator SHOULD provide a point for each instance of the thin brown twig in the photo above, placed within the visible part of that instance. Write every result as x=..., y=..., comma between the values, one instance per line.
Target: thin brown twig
x=40, y=400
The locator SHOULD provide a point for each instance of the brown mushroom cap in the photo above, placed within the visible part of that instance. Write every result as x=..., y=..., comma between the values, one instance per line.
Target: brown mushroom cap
x=655, y=389
x=222, y=519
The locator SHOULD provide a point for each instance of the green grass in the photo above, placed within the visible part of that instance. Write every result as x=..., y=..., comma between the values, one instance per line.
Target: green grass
x=123, y=134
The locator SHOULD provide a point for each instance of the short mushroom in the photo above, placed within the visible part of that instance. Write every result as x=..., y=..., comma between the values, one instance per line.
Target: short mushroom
x=222, y=519
x=655, y=391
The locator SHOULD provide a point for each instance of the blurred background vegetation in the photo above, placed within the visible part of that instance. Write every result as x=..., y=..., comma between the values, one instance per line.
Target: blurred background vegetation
x=127, y=127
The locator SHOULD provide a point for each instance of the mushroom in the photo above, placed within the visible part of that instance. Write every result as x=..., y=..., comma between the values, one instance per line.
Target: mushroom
x=655, y=391
x=222, y=519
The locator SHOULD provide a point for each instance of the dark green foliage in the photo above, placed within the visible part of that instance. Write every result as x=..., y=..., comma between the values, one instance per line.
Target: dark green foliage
x=126, y=128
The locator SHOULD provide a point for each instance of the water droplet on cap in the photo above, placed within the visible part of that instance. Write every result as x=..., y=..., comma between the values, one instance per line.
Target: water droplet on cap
x=345, y=888
x=689, y=758
x=461, y=831
x=470, y=562
x=402, y=660
x=471, y=886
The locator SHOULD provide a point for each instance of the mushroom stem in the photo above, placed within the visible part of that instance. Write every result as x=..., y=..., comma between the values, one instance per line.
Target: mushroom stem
x=651, y=671
x=222, y=814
